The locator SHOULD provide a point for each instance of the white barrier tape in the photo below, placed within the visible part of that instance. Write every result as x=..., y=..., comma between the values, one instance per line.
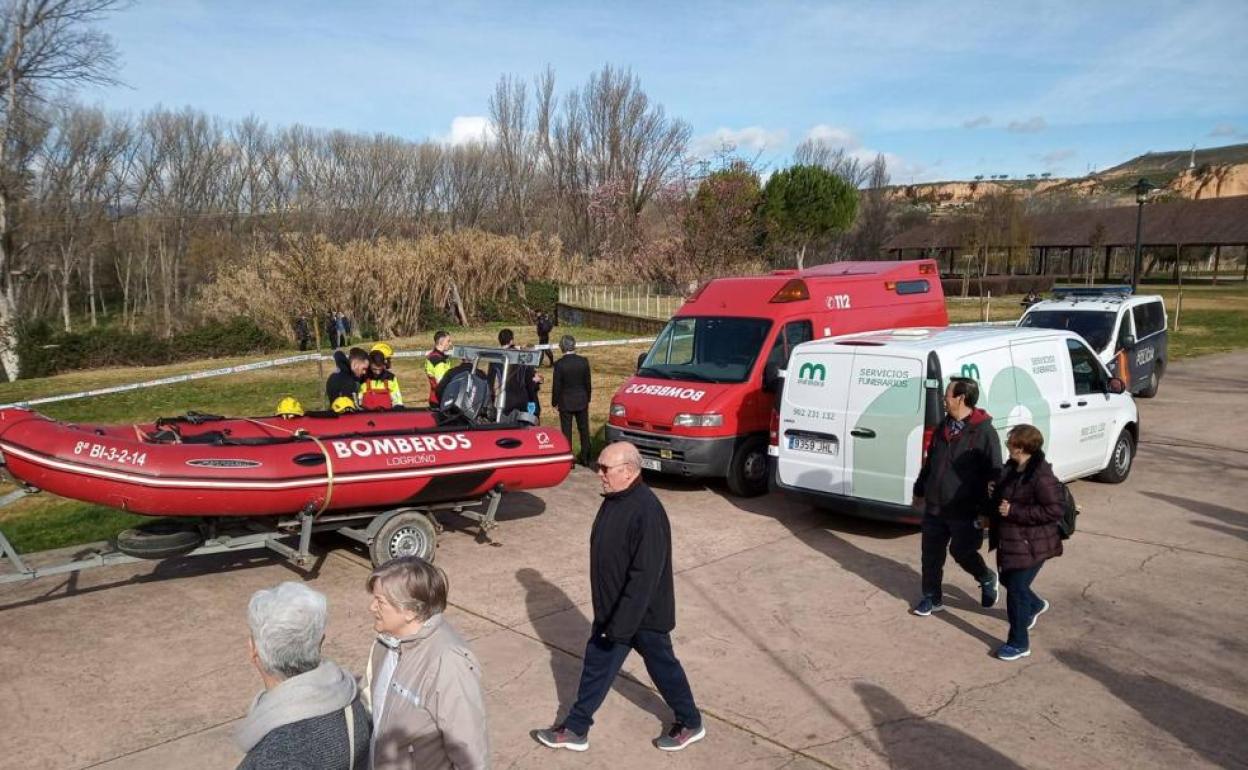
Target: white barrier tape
x=177, y=378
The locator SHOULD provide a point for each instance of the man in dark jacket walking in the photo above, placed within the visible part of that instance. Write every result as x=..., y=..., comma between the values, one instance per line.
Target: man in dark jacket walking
x=570, y=393
x=630, y=569
x=545, y=324
x=952, y=491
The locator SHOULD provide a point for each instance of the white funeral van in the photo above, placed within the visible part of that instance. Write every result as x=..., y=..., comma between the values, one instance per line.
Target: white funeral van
x=856, y=412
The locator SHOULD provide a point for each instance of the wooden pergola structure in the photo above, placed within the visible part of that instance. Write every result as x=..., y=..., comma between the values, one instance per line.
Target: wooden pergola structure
x=1215, y=223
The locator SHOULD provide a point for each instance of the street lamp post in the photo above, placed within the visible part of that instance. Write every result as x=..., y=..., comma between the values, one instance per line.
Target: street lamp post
x=1142, y=189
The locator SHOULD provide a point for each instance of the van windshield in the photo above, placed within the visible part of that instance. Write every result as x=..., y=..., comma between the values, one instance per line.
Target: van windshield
x=706, y=349
x=1095, y=326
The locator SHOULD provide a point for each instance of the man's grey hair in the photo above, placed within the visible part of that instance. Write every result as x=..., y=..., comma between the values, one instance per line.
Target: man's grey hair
x=567, y=343
x=287, y=627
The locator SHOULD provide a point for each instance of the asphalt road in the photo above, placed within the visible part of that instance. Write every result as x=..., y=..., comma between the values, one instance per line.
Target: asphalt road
x=792, y=624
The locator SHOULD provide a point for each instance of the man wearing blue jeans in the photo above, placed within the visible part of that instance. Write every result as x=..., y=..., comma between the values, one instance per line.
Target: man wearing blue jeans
x=630, y=570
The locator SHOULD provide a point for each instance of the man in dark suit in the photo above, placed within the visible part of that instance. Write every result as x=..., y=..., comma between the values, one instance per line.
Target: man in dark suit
x=571, y=392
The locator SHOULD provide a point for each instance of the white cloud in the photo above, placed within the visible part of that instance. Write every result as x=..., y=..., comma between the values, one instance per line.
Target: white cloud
x=470, y=128
x=834, y=136
x=982, y=120
x=750, y=138
x=1224, y=129
x=900, y=170
x=1032, y=125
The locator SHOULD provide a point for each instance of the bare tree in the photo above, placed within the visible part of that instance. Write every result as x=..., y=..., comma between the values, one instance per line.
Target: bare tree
x=517, y=151
x=838, y=160
x=43, y=43
x=72, y=191
x=875, y=213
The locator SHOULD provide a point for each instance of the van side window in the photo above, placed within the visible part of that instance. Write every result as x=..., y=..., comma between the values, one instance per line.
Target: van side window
x=1124, y=331
x=1086, y=368
x=793, y=334
x=1150, y=318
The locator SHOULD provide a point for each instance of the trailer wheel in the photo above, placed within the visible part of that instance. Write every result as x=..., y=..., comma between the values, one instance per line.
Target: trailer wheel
x=159, y=540
x=747, y=473
x=405, y=534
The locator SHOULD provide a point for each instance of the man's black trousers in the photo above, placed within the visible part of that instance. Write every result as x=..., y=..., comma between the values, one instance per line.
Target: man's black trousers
x=582, y=428
x=962, y=539
x=603, y=659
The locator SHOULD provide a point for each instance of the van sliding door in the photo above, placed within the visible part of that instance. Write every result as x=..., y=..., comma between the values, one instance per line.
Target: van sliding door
x=886, y=417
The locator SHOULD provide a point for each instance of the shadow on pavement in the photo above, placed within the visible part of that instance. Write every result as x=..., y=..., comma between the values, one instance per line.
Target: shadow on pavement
x=548, y=607
x=176, y=568
x=909, y=740
x=1237, y=521
x=1213, y=731
x=824, y=534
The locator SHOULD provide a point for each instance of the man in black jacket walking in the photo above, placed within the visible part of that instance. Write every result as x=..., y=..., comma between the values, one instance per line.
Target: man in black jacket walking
x=570, y=394
x=630, y=571
x=952, y=491
x=545, y=325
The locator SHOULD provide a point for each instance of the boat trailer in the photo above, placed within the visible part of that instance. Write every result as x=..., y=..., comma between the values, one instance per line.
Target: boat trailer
x=407, y=531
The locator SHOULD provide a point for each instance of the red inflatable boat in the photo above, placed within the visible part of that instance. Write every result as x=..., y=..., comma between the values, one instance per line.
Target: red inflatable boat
x=212, y=466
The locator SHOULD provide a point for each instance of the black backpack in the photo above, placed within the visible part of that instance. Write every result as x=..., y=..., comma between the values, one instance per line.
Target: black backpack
x=1070, y=512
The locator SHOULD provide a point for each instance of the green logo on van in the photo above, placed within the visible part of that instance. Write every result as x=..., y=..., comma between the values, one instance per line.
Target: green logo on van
x=970, y=372
x=806, y=374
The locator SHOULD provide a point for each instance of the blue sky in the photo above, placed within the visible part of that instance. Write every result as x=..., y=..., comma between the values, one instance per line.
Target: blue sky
x=946, y=89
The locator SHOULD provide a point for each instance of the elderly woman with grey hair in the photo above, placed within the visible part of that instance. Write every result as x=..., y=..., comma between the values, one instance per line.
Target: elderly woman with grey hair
x=308, y=715
x=423, y=684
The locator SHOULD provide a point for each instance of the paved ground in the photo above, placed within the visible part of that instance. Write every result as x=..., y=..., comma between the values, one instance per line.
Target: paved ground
x=792, y=624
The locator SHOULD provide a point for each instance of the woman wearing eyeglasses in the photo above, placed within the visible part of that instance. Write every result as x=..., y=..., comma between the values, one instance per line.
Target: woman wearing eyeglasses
x=1024, y=532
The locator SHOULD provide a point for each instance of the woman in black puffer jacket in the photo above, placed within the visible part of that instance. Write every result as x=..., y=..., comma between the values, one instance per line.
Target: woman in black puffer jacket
x=1024, y=531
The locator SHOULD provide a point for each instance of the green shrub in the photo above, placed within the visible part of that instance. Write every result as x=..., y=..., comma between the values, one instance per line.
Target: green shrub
x=45, y=352
x=541, y=296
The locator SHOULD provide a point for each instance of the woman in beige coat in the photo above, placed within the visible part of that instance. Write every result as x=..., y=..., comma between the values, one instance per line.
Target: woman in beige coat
x=422, y=684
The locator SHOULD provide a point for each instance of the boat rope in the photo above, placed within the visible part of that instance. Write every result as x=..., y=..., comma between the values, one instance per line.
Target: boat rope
x=299, y=433
x=329, y=469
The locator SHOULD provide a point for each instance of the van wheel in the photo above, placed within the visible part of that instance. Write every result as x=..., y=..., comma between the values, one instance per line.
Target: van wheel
x=747, y=473
x=1120, y=461
x=410, y=533
x=1154, y=380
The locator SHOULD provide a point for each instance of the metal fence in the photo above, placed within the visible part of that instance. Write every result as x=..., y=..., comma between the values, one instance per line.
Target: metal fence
x=642, y=300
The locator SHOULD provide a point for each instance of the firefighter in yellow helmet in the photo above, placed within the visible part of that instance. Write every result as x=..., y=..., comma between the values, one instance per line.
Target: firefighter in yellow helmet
x=289, y=407
x=380, y=388
x=343, y=404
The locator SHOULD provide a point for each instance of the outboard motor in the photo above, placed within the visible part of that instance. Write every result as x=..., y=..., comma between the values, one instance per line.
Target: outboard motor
x=464, y=395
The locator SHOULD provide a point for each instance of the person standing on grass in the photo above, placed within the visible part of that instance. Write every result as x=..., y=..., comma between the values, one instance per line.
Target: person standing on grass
x=630, y=572
x=1024, y=530
x=571, y=392
x=352, y=368
x=545, y=325
x=952, y=490
x=438, y=363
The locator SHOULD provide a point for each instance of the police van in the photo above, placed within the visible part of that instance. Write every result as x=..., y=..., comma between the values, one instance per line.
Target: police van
x=1127, y=331
x=857, y=412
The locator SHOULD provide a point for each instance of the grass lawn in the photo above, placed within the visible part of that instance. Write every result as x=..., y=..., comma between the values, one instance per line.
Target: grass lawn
x=1213, y=319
